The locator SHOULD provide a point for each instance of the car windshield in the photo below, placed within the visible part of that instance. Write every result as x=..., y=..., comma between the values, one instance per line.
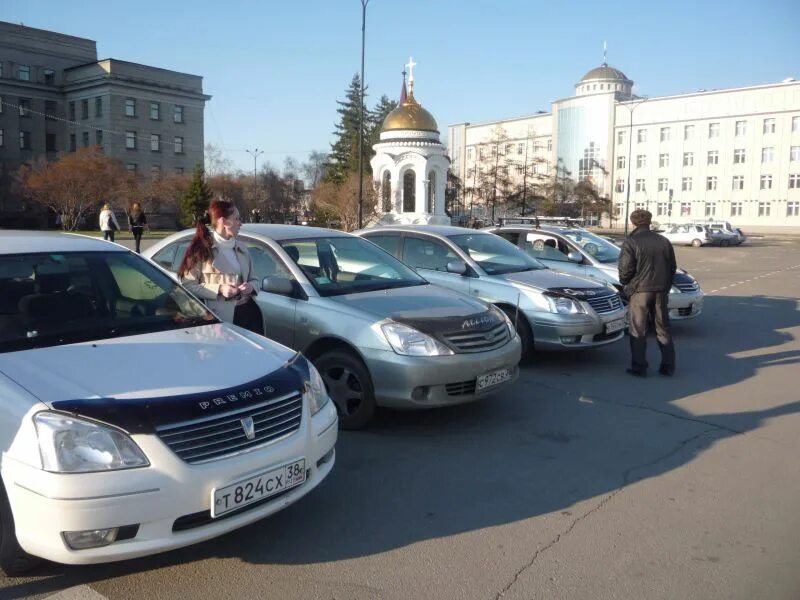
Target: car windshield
x=601, y=249
x=52, y=299
x=349, y=265
x=495, y=255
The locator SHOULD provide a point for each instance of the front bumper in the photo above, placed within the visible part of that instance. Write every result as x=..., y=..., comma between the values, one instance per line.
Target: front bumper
x=46, y=504
x=573, y=332
x=430, y=381
x=685, y=305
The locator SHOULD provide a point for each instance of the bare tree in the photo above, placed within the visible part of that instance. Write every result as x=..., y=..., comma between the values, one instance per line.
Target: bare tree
x=337, y=203
x=314, y=168
x=215, y=161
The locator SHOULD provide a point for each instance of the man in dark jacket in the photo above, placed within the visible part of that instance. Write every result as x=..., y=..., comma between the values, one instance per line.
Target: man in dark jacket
x=646, y=270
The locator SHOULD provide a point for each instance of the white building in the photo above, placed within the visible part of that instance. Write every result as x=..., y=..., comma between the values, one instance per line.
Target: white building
x=732, y=154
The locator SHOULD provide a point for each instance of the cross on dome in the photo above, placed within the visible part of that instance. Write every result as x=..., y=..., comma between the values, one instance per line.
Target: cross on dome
x=411, y=64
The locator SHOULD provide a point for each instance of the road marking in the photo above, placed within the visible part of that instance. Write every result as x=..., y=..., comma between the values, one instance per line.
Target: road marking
x=79, y=592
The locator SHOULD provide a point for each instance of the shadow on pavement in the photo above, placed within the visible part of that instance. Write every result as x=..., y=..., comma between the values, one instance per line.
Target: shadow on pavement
x=574, y=428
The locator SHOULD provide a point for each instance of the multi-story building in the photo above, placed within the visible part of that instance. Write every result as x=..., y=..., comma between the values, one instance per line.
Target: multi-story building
x=732, y=154
x=56, y=96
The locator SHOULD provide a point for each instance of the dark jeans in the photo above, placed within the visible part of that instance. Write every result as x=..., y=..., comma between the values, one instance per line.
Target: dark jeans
x=248, y=316
x=137, y=237
x=108, y=234
x=644, y=308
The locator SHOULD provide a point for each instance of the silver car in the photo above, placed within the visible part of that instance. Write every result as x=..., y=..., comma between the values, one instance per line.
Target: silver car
x=377, y=332
x=553, y=310
x=580, y=252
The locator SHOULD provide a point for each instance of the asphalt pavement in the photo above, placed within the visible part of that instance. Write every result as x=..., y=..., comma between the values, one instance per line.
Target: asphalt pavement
x=580, y=482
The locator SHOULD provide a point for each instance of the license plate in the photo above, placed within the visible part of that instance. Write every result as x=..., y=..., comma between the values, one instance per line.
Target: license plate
x=490, y=379
x=257, y=487
x=614, y=326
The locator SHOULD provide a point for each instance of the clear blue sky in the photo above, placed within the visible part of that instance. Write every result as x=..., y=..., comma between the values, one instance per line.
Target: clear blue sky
x=276, y=68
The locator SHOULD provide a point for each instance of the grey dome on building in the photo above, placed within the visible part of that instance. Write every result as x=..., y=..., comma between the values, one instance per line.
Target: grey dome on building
x=605, y=72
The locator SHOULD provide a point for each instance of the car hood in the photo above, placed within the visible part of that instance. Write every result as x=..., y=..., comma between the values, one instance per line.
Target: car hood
x=545, y=279
x=138, y=382
x=429, y=301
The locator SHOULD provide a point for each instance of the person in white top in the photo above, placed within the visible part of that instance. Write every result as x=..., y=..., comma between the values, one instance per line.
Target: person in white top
x=108, y=222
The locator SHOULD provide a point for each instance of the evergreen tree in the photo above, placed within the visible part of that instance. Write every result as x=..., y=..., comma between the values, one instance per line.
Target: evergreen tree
x=376, y=118
x=343, y=158
x=196, y=199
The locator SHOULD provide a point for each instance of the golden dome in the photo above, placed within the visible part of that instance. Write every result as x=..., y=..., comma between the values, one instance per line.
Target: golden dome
x=410, y=115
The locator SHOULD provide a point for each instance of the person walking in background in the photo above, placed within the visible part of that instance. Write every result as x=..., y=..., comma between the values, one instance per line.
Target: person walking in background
x=137, y=223
x=646, y=270
x=108, y=222
x=218, y=268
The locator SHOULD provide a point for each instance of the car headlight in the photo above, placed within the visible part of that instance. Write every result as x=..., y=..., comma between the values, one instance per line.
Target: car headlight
x=70, y=444
x=315, y=393
x=564, y=306
x=408, y=341
x=674, y=290
x=501, y=315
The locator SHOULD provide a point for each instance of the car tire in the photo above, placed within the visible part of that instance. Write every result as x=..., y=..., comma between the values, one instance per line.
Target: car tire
x=13, y=559
x=349, y=385
x=725, y=243
x=524, y=331
x=697, y=243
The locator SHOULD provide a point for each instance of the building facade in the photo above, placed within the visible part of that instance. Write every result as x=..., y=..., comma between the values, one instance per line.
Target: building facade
x=729, y=154
x=56, y=96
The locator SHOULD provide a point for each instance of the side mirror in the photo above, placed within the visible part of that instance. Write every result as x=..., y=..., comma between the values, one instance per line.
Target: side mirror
x=277, y=285
x=575, y=257
x=457, y=267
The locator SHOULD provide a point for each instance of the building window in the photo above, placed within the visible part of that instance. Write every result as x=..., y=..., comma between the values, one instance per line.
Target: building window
x=508, y=149
x=713, y=130
x=131, y=167
x=763, y=209
x=480, y=152
x=766, y=182
x=98, y=137
x=177, y=114
x=688, y=132
x=665, y=134
x=620, y=138
x=793, y=209
x=640, y=206
x=711, y=183
x=155, y=171
x=663, y=184
x=794, y=153
x=50, y=108
x=85, y=138
x=494, y=150
x=24, y=73
x=178, y=142
x=2, y=137
x=620, y=162
x=794, y=181
x=688, y=159
x=738, y=156
x=519, y=169
x=713, y=157
x=1, y=98
x=71, y=111
x=550, y=145
x=620, y=186
x=24, y=107
x=409, y=191
x=736, y=209
x=98, y=107
x=663, y=160
x=470, y=172
x=130, y=140
x=767, y=155
x=641, y=161
x=641, y=136
x=469, y=153
x=795, y=124
x=769, y=125
x=178, y=171
x=25, y=140
x=686, y=184
x=130, y=107
x=640, y=185
x=711, y=209
x=155, y=111
x=84, y=109
x=741, y=128
x=738, y=182
x=520, y=148
x=155, y=142
x=686, y=209
x=73, y=145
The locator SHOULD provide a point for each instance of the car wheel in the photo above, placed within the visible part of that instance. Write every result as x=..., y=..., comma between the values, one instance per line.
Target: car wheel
x=350, y=387
x=697, y=243
x=13, y=559
x=725, y=243
x=524, y=331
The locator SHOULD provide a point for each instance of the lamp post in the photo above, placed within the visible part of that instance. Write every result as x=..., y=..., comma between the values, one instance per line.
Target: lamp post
x=361, y=119
x=255, y=154
x=631, y=106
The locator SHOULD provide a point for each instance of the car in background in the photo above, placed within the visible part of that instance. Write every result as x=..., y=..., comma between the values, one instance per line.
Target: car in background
x=379, y=333
x=551, y=310
x=582, y=253
x=686, y=235
x=724, y=233
x=132, y=421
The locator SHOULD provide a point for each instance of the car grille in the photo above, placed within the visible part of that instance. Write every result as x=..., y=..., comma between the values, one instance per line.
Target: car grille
x=606, y=304
x=687, y=286
x=479, y=341
x=685, y=312
x=462, y=388
x=205, y=439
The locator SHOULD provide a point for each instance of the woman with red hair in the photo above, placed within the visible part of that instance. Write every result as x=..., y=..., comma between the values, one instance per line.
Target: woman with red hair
x=218, y=269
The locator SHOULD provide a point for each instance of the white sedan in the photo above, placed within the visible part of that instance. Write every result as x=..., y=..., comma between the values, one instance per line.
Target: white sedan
x=132, y=421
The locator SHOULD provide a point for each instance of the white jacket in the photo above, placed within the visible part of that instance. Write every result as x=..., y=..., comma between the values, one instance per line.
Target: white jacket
x=106, y=218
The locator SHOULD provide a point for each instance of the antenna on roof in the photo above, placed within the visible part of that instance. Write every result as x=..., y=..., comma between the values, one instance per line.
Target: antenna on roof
x=605, y=48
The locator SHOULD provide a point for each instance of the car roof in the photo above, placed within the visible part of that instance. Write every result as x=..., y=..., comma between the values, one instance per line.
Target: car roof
x=20, y=241
x=444, y=230
x=545, y=228
x=290, y=232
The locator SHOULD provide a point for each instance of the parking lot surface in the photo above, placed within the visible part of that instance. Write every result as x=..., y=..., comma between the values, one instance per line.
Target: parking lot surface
x=580, y=482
